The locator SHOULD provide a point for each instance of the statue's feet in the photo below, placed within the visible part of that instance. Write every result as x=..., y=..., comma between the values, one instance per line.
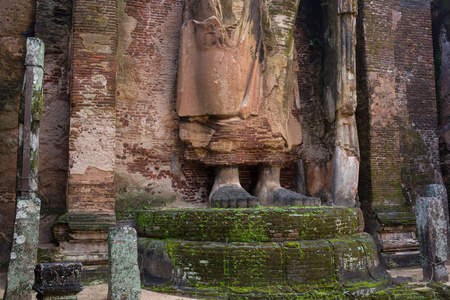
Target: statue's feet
x=270, y=192
x=232, y=196
x=285, y=197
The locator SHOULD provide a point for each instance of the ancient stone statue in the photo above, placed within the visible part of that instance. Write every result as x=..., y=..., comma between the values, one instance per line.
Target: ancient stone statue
x=236, y=90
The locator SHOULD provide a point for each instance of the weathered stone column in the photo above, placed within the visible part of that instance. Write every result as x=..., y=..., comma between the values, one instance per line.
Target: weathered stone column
x=439, y=191
x=432, y=234
x=82, y=232
x=123, y=276
x=26, y=226
x=340, y=97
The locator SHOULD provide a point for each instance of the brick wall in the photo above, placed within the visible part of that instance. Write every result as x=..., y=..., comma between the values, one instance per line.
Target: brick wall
x=397, y=109
x=318, y=135
x=53, y=27
x=92, y=119
x=148, y=149
x=416, y=83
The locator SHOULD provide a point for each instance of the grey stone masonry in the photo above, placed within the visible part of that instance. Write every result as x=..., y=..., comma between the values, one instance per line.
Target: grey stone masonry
x=123, y=278
x=26, y=225
x=58, y=281
x=432, y=235
x=439, y=190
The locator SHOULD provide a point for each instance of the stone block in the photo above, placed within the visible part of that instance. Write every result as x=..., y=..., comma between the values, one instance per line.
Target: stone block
x=155, y=264
x=255, y=267
x=309, y=263
x=58, y=281
x=432, y=235
x=123, y=278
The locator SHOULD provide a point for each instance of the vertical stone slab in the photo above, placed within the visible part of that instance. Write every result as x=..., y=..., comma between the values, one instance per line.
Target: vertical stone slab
x=432, y=234
x=300, y=185
x=123, y=278
x=26, y=226
x=29, y=119
x=439, y=191
x=24, y=249
x=340, y=97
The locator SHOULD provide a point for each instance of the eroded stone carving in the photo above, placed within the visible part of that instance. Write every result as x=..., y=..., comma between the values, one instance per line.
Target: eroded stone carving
x=340, y=96
x=236, y=86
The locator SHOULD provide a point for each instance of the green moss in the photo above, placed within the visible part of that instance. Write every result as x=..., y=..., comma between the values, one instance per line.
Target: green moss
x=249, y=225
x=129, y=203
x=37, y=104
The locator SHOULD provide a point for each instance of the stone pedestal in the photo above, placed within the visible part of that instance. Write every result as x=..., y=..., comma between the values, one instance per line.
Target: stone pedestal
x=83, y=237
x=397, y=236
x=123, y=278
x=58, y=281
x=266, y=253
x=432, y=234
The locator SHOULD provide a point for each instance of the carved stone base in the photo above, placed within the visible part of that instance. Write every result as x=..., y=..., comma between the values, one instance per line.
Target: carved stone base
x=83, y=237
x=269, y=253
x=399, y=244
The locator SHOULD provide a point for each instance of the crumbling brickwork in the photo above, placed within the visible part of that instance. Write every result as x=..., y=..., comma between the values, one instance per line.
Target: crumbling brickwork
x=317, y=148
x=93, y=91
x=397, y=108
x=396, y=117
x=53, y=27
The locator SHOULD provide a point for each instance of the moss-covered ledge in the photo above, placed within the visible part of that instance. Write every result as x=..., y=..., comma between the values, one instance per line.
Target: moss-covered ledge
x=250, y=225
x=319, y=269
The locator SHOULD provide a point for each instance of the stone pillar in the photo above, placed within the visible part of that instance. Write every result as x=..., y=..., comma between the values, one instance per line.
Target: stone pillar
x=82, y=232
x=58, y=281
x=432, y=234
x=387, y=85
x=123, y=276
x=340, y=97
x=439, y=191
x=24, y=249
x=26, y=226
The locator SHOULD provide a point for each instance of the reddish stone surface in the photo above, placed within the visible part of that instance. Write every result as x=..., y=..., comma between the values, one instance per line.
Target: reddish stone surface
x=397, y=104
x=92, y=119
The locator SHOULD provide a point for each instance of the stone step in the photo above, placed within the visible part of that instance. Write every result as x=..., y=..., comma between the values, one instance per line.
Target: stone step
x=251, y=225
x=346, y=265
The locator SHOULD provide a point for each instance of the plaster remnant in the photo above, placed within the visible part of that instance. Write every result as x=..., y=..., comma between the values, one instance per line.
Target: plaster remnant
x=96, y=42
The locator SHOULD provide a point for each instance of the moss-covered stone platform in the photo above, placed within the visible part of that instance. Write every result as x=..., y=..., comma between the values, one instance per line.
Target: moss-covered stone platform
x=266, y=253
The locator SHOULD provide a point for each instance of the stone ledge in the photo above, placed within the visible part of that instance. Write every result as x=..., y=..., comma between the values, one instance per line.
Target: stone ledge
x=343, y=266
x=250, y=225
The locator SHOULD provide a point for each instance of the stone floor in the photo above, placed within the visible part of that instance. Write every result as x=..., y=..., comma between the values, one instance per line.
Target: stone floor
x=99, y=291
